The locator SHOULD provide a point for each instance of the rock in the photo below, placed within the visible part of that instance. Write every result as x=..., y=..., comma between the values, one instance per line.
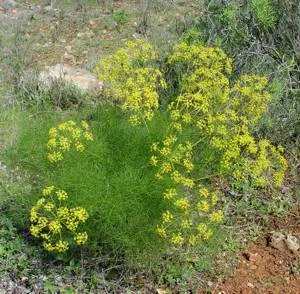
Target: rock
x=283, y=243
x=277, y=241
x=83, y=79
x=250, y=285
x=292, y=243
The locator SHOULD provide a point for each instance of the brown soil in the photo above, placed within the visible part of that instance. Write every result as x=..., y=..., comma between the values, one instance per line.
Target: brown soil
x=264, y=269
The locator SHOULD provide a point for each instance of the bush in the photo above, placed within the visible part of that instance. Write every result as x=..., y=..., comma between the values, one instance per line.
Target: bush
x=58, y=94
x=111, y=179
x=140, y=210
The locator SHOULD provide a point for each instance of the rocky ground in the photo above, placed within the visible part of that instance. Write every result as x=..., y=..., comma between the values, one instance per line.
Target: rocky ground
x=271, y=264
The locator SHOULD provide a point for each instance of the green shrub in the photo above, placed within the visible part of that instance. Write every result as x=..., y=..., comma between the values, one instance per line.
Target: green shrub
x=120, y=16
x=264, y=12
x=111, y=179
x=59, y=94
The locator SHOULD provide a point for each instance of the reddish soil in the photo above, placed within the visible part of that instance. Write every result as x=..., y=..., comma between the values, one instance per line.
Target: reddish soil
x=264, y=269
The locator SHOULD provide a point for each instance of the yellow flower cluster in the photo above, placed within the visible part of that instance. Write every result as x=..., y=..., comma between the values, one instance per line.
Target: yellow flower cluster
x=185, y=225
x=133, y=79
x=225, y=115
x=65, y=136
x=189, y=204
x=221, y=117
x=52, y=220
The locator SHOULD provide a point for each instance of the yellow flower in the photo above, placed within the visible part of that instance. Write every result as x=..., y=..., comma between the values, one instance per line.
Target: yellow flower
x=61, y=246
x=48, y=190
x=64, y=144
x=79, y=147
x=42, y=222
x=88, y=136
x=81, y=238
x=72, y=224
x=62, y=195
x=62, y=127
x=165, y=151
x=159, y=176
x=203, y=205
x=161, y=232
x=182, y=203
x=165, y=168
x=177, y=126
x=52, y=132
x=216, y=217
x=170, y=193
x=153, y=160
x=52, y=143
x=175, y=114
x=203, y=192
x=55, y=227
x=177, y=239
x=278, y=178
x=133, y=78
x=34, y=231
x=80, y=213
x=49, y=206
x=187, y=118
x=204, y=231
x=33, y=214
x=187, y=182
x=63, y=212
x=40, y=202
x=188, y=165
x=48, y=246
x=167, y=216
x=186, y=223
x=75, y=133
x=55, y=157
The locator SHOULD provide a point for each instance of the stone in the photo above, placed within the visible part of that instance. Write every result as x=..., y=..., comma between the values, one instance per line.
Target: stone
x=292, y=244
x=283, y=243
x=83, y=79
x=277, y=241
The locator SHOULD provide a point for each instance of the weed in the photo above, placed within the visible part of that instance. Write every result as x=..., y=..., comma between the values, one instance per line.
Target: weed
x=121, y=17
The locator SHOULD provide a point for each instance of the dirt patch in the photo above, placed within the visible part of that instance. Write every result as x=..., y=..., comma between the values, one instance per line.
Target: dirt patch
x=265, y=269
